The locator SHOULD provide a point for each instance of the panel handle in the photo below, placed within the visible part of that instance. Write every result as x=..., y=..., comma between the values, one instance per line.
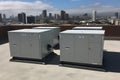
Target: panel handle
x=67, y=48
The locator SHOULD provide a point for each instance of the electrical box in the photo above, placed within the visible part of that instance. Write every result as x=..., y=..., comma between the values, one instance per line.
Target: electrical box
x=55, y=33
x=82, y=46
x=87, y=28
x=30, y=43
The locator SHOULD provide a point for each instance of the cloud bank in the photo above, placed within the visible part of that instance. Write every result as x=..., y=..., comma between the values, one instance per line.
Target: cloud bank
x=100, y=8
x=11, y=7
x=14, y=7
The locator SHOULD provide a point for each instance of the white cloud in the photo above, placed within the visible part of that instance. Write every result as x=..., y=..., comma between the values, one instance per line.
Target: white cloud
x=96, y=6
x=14, y=6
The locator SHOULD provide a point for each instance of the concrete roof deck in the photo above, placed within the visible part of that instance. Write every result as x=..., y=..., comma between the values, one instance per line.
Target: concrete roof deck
x=30, y=71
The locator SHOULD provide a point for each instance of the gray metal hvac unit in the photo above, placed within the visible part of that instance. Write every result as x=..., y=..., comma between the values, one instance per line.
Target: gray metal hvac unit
x=82, y=46
x=55, y=33
x=30, y=43
x=87, y=28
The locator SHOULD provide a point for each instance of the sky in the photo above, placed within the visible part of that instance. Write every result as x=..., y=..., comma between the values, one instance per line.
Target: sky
x=70, y=6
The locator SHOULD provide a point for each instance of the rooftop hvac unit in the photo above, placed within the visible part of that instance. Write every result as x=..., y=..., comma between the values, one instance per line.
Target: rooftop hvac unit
x=55, y=33
x=87, y=28
x=30, y=43
x=82, y=46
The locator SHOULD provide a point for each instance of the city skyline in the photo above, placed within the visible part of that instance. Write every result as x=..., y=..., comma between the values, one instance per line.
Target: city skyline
x=73, y=6
x=62, y=17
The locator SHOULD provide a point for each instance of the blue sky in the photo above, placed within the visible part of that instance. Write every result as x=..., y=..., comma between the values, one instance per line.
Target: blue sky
x=66, y=4
x=54, y=6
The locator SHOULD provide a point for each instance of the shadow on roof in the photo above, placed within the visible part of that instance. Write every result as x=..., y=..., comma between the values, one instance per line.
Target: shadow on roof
x=112, y=61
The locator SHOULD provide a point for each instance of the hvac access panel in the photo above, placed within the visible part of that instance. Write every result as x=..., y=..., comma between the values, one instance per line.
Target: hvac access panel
x=29, y=43
x=81, y=48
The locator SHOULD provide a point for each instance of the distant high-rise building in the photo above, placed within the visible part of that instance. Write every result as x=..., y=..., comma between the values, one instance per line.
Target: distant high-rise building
x=37, y=19
x=86, y=14
x=11, y=17
x=31, y=19
x=63, y=14
x=66, y=16
x=117, y=15
x=94, y=15
x=22, y=18
x=57, y=16
x=50, y=15
x=0, y=17
x=4, y=18
x=40, y=16
x=44, y=14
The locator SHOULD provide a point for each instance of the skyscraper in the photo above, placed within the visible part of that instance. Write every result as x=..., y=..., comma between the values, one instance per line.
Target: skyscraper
x=116, y=15
x=50, y=15
x=31, y=19
x=57, y=17
x=63, y=14
x=94, y=15
x=4, y=16
x=44, y=14
x=66, y=16
x=0, y=17
x=22, y=17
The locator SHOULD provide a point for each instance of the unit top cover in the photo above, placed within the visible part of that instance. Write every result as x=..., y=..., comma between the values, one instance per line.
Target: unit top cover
x=87, y=28
x=30, y=30
x=83, y=32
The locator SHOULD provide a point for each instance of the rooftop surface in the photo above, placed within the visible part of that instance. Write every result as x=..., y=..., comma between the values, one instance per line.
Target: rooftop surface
x=30, y=71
